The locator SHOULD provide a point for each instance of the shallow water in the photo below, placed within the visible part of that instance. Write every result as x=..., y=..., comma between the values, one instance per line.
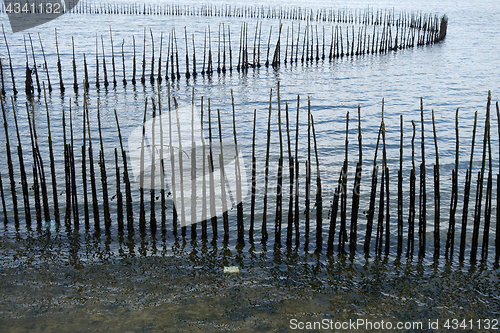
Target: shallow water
x=77, y=282
x=70, y=282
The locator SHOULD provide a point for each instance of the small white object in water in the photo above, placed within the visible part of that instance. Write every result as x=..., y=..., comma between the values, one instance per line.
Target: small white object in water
x=231, y=269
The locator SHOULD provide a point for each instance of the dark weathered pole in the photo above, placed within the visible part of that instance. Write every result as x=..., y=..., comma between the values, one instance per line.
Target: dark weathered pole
x=10, y=63
x=479, y=194
x=266, y=179
x=152, y=74
x=422, y=216
x=437, y=195
x=133, y=62
x=254, y=180
x=373, y=192
x=279, y=189
x=239, y=205
x=119, y=196
x=84, y=167
x=296, y=212
x=52, y=163
x=400, y=190
x=113, y=57
x=97, y=83
x=465, y=211
x=128, y=192
x=104, y=181
x=11, y=168
x=353, y=237
x=95, y=204
x=124, y=80
x=45, y=63
x=142, y=211
x=24, y=182
x=106, y=82
x=319, y=197
x=35, y=66
x=152, y=215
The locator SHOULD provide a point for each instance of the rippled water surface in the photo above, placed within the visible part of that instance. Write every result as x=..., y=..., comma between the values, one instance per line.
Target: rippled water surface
x=61, y=280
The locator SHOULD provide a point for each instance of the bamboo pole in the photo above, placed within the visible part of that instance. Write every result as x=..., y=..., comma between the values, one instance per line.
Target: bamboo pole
x=52, y=163
x=95, y=204
x=465, y=211
x=400, y=191
x=128, y=194
x=104, y=182
x=142, y=212
x=279, y=189
x=84, y=170
x=24, y=182
x=211, y=176
x=152, y=216
x=479, y=193
x=437, y=195
x=225, y=217
x=239, y=205
x=373, y=192
x=74, y=197
x=422, y=216
x=35, y=66
x=356, y=192
x=266, y=179
x=45, y=63
x=113, y=58
x=10, y=63
x=319, y=198
x=254, y=180
x=119, y=196
x=10, y=165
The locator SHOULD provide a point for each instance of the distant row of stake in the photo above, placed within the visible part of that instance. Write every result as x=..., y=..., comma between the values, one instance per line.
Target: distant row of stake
x=303, y=45
x=342, y=233
x=369, y=16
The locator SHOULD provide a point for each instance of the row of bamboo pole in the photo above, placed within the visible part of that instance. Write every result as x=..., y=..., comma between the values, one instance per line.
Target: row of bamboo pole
x=381, y=227
x=300, y=46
